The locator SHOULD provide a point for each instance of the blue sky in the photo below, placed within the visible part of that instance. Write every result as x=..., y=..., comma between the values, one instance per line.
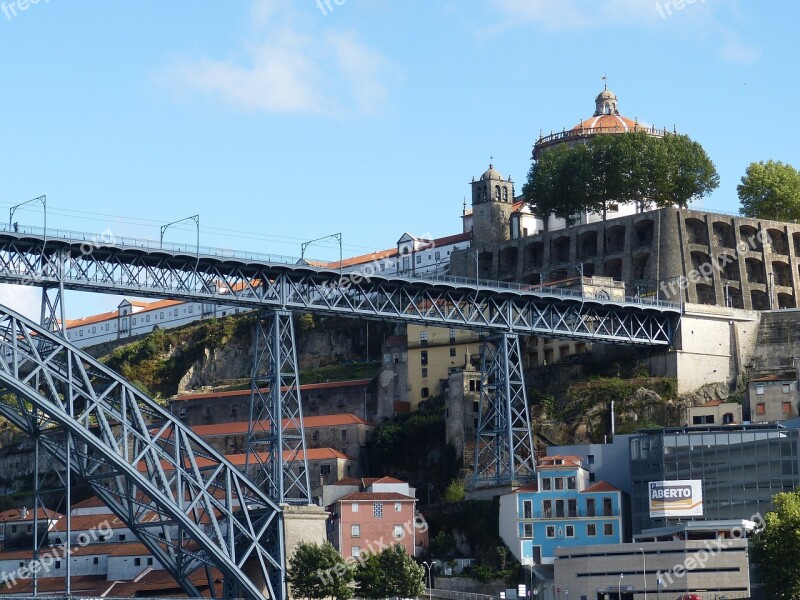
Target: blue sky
x=279, y=121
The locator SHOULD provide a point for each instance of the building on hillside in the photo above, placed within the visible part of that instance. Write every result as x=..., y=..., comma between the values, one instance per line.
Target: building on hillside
x=741, y=467
x=709, y=559
x=16, y=526
x=371, y=514
x=355, y=397
x=560, y=510
x=715, y=412
x=392, y=380
x=773, y=397
x=462, y=401
x=345, y=432
x=432, y=353
x=134, y=317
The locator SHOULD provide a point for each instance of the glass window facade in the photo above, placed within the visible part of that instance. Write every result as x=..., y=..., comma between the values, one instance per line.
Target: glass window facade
x=741, y=468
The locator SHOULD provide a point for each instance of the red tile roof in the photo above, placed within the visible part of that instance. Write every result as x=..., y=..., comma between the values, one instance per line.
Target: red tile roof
x=384, y=480
x=238, y=460
x=549, y=462
x=600, y=486
x=305, y=387
x=376, y=497
x=241, y=427
x=774, y=378
x=145, y=306
x=13, y=515
x=348, y=481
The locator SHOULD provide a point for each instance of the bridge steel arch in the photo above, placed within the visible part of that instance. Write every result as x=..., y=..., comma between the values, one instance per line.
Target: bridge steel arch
x=187, y=504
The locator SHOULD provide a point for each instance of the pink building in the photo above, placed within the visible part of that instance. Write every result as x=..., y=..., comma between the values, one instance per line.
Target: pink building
x=372, y=514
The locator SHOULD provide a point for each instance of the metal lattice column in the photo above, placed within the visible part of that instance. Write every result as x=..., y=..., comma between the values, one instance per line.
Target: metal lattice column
x=504, y=444
x=275, y=439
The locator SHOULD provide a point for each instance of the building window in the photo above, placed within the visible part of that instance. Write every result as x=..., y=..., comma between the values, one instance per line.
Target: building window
x=377, y=510
x=786, y=388
x=607, y=507
x=58, y=564
x=355, y=506
x=96, y=560
x=326, y=470
x=355, y=531
x=423, y=358
x=149, y=561
x=419, y=258
x=551, y=531
x=570, y=530
x=398, y=531
x=761, y=408
x=423, y=338
x=527, y=509
x=559, y=508
x=121, y=537
x=452, y=351
x=137, y=561
x=547, y=509
x=787, y=408
x=608, y=529
x=13, y=529
x=452, y=336
x=570, y=483
x=398, y=507
x=147, y=319
x=591, y=529
x=559, y=483
x=424, y=371
x=545, y=483
x=344, y=434
x=590, y=510
x=527, y=530
x=572, y=508
x=355, y=551
x=760, y=389
x=424, y=392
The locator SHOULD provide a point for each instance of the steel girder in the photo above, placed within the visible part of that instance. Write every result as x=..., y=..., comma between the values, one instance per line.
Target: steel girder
x=504, y=445
x=276, y=443
x=186, y=503
x=162, y=274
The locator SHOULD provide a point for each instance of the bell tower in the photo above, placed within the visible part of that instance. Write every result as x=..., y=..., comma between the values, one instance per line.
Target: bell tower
x=492, y=202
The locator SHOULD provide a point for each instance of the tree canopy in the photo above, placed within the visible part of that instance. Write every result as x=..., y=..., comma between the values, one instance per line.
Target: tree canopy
x=625, y=168
x=770, y=190
x=319, y=571
x=776, y=548
x=391, y=572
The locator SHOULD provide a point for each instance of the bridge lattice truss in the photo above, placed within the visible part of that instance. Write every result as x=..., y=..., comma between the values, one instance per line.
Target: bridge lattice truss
x=163, y=274
x=179, y=497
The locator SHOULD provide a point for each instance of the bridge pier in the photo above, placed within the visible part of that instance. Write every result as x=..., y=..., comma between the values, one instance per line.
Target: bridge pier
x=275, y=439
x=504, y=444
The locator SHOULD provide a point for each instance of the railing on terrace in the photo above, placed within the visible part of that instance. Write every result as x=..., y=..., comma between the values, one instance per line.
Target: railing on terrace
x=101, y=240
x=455, y=595
x=582, y=131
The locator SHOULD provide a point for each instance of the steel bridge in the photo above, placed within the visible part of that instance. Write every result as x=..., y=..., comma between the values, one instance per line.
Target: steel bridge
x=142, y=461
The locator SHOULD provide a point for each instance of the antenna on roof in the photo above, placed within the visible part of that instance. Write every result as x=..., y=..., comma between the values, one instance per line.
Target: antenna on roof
x=605, y=81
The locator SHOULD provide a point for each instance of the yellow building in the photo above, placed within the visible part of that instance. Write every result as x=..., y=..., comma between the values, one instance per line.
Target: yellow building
x=432, y=353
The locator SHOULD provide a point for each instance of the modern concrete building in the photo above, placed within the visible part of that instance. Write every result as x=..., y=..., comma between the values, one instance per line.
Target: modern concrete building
x=707, y=559
x=741, y=468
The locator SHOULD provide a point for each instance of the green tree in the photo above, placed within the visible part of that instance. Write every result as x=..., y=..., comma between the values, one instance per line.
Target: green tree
x=391, y=572
x=442, y=544
x=628, y=168
x=775, y=548
x=319, y=571
x=456, y=491
x=770, y=190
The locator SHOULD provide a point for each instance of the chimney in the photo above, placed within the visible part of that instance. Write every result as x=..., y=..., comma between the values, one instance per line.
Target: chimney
x=23, y=512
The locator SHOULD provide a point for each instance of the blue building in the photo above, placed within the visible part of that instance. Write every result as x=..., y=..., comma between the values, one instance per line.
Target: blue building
x=562, y=509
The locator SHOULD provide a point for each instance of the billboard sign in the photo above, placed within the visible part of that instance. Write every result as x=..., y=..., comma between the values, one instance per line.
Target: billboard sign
x=680, y=498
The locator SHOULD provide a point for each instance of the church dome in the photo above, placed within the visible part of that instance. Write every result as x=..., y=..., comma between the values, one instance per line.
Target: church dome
x=615, y=123
x=491, y=174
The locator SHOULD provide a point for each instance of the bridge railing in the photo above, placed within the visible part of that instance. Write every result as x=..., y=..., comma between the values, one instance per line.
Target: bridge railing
x=110, y=239
x=455, y=595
